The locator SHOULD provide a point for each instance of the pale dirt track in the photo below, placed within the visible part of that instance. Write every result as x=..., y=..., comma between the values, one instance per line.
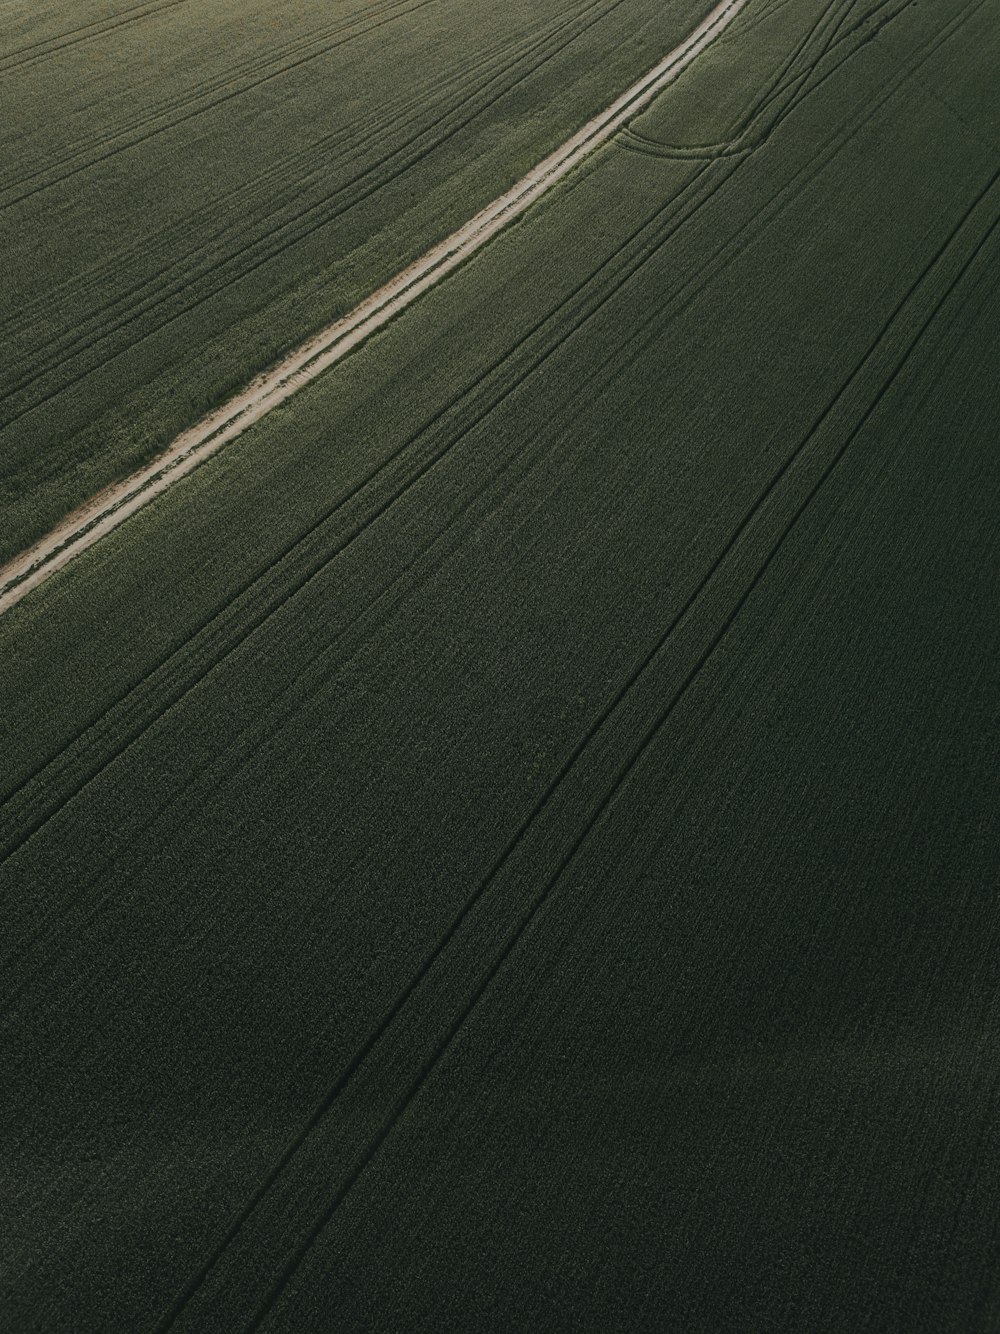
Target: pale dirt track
x=112, y=506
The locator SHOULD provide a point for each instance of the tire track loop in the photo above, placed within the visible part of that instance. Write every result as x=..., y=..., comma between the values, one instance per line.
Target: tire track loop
x=648, y=738
x=746, y=234
x=33, y=53
x=313, y=219
x=403, y=7
x=757, y=126
x=778, y=81
x=748, y=137
x=720, y=257
x=761, y=99
x=129, y=309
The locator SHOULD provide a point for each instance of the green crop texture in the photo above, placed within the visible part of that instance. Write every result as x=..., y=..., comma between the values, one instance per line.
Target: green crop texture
x=511, y=842
x=192, y=187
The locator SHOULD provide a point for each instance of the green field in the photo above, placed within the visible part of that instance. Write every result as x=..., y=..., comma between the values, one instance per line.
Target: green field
x=511, y=843
x=189, y=188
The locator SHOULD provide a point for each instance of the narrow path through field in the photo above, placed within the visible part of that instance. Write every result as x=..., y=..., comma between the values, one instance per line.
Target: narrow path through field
x=112, y=506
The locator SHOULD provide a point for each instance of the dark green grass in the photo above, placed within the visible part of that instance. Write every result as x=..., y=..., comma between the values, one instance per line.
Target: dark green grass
x=510, y=845
x=187, y=195
x=734, y=1075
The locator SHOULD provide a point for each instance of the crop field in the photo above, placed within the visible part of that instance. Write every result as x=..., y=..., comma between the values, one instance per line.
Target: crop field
x=511, y=842
x=262, y=168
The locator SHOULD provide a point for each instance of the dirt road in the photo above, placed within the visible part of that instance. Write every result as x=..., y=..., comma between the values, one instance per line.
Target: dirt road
x=111, y=507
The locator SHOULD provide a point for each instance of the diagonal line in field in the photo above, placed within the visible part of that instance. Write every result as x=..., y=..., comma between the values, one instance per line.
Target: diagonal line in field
x=112, y=506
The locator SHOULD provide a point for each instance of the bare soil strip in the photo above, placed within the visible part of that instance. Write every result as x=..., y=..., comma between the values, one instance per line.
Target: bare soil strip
x=112, y=506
